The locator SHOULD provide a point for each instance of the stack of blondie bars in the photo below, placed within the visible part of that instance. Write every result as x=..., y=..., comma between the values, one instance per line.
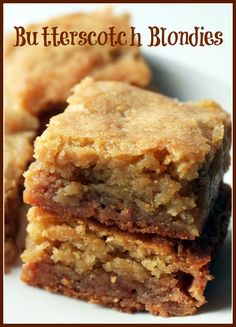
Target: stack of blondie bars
x=128, y=201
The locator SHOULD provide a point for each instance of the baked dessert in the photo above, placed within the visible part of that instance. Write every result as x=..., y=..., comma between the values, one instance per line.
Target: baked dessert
x=48, y=73
x=16, y=121
x=131, y=158
x=18, y=152
x=130, y=272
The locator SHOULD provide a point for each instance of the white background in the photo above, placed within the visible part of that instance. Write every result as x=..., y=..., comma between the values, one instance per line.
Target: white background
x=181, y=71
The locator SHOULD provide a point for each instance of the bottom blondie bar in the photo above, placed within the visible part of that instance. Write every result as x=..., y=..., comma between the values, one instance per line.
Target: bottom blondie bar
x=130, y=272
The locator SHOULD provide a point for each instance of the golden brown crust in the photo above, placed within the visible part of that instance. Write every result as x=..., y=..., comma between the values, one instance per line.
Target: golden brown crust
x=112, y=120
x=48, y=73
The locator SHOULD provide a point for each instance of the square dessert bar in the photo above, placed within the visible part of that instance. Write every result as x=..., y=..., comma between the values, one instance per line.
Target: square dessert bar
x=130, y=272
x=132, y=158
x=18, y=152
x=39, y=78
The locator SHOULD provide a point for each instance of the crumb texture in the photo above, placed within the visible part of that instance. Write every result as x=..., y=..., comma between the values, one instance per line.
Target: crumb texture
x=107, y=120
x=130, y=272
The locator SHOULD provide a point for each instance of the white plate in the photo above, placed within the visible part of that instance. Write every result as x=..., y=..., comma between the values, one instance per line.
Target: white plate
x=25, y=304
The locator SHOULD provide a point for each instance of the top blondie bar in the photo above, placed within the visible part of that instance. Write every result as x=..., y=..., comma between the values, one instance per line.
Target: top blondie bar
x=38, y=78
x=132, y=158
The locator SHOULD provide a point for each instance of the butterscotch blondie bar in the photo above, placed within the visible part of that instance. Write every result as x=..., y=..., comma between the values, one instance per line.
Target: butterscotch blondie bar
x=130, y=272
x=18, y=152
x=132, y=158
x=38, y=78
